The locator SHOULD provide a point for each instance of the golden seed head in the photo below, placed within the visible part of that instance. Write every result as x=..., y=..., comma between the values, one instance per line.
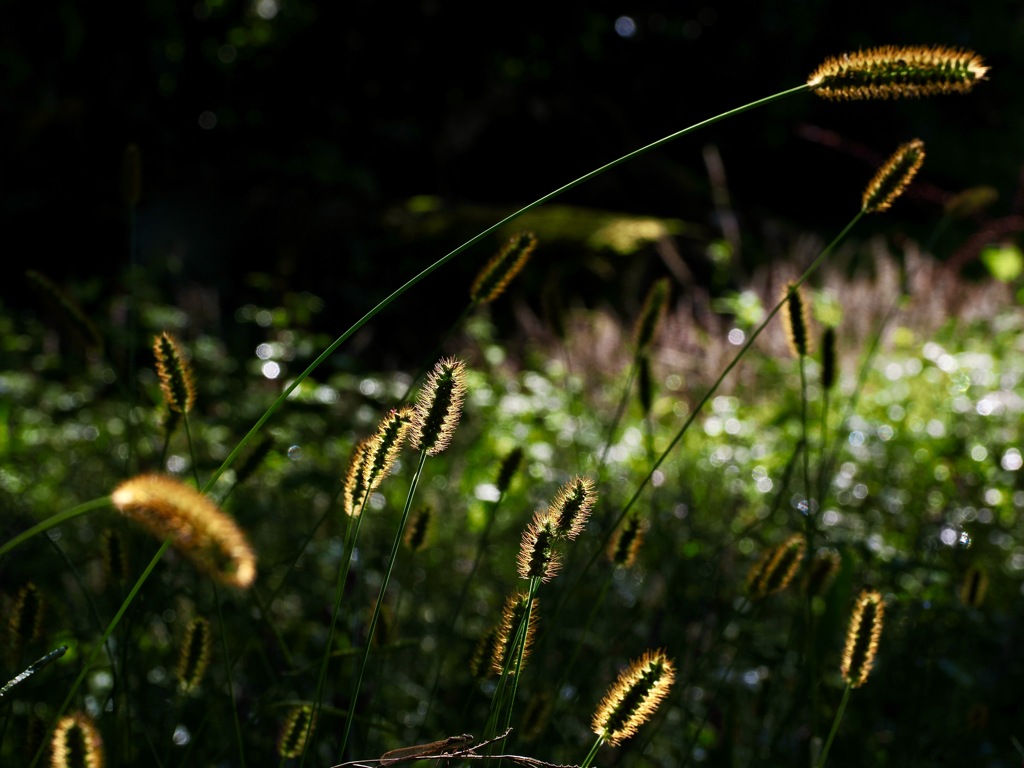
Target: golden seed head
x=297, y=728
x=512, y=617
x=76, y=743
x=893, y=177
x=198, y=529
x=355, y=492
x=572, y=506
x=828, y=358
x=26, y=621
x=891, y=72
x=537, y=556
x=625, y=542
x=776, y=570
x=862, y=638
x=652, y=315
x=634, y=697
x=194, y=657
x=509, y=467
x=796, y=318
x=175, y=374
x=439, y=406
x=385, y=445
x=492, y=280
x=974, y=587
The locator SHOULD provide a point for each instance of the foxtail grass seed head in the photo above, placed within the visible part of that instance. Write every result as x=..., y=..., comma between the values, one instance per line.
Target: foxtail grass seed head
x=355, y=490
x=131, y=175
x=775, y=572
x=175, y=374
x=253, y=458
x=974, y=587
x=492, y=280
x=644, y=385
x=417, y=532
x=76, y=743
x=537, y=556
x=625, y=542
x=385, y=445
x=509, y=467
x=25, y=624
x=484, y=653
x=862, y=638
x=512, y=617
x=115, y=557
x=572, y=506
x=194, y=656
x=651, y=316
x=891, y=72
x=796, y=318
x=824, y=567
x=297, y=728
x=439, y=406
x=634, y=697
x=828, y=358
x=168, y=508
x=970, y=202
x=893, y=177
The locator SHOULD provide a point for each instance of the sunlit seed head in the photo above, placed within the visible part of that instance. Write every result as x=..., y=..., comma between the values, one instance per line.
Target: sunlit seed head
x=537, y=556
x=417, y=532
x=775, y=572
x=385, y=446
x=626, y=541
x=634, y=697
x=195, y=653
x=175, y=374
x=893, y=177
x=796, y=318
x=439, y=406
x=505, y=654
x=572, y=506
x=298, y=726
x=76, y=743
x=492, y=280
x=890, y=72
x=355, y=491
x=862, y=638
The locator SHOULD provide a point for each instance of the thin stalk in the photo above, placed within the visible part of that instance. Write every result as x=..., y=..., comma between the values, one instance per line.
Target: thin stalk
x=835, y=727
x=592, y=753
x=227, y=672
x=54, y=521
x=390, y=298
x=380, y=601
x=191, y=449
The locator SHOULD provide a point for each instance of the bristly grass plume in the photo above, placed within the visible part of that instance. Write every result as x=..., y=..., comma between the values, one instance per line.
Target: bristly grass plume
x=175, y=374
x=796, y=318
x=76, y=743
x=893, y=177
x=634, y=697
x=862, y=638
x=492, y=280
x=439, y=406
x=194, y=657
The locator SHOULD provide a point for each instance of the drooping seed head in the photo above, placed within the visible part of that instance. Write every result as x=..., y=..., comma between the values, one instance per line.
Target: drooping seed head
x=439, y=406
x=355, y=492
x=197, y=528
x=572, y=506
x=194, y=656
x=974, y=587
x=893, y=177
x=828, y=358
x=76, y=743
x=509, y=467
x=297, y=728
x=385, y=445
x=505, y=648
x=625, y=542
x=175, y=374
x=890, y=72
x=537, y=556
x=492, y=280
x=634, y=697
x=775, y=571
x=796, y=318
x=862, y=638
x=651, y=316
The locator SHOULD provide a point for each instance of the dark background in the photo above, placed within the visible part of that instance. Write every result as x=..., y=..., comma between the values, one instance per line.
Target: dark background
x=280, y=138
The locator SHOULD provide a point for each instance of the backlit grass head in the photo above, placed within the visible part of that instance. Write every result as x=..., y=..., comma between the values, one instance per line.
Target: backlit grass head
x=25, y=623
x=355, y=491
x=512, y=617
x=508, y=468
x=492, y=280
x=537, y=556
x=175, y=374
x=384, y=447
x=298, y=725
x=197, y=528
x=893, y=177
x=572, y=506
x=774, y=572
x=76, y=743
x=417, y=532
x=862, y=638
x=439, y=406
x=891, y=72
x=634, y=697
x=796, y=318
x=824, y=567
x=194, y=656
x=625, y=542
